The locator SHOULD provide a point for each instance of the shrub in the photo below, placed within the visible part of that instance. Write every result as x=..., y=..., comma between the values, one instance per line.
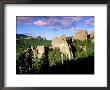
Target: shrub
x=54, y=56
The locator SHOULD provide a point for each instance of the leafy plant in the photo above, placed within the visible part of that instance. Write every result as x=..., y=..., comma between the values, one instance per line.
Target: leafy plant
x=54, y=56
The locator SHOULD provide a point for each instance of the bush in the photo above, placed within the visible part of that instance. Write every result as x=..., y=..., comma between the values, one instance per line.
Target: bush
x=84, y=48
x=24, y=62
x=54, y=56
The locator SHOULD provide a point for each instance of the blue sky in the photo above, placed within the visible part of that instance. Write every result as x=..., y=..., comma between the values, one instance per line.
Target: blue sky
x=52, y=26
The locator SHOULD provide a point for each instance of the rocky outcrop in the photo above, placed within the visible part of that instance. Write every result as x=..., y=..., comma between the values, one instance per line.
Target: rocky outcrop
x=81, y=35
x=38, y=51
x=62, y=44
x=92, y=35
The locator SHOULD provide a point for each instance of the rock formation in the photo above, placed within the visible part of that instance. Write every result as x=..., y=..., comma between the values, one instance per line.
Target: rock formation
x=62, y=44
x=92, y=35
x=40, y=51
x=81, y=35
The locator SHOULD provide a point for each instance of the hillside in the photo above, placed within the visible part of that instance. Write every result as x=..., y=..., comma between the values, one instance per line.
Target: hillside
x=62, y=55
x=18, y=36
x=22, y=43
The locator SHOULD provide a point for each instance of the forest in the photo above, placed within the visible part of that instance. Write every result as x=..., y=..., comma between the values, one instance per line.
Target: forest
x=51, y=61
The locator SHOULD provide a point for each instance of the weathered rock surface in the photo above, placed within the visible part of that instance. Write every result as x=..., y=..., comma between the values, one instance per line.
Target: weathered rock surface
x=38, y=51
x=92, y=35
x=81, y=35
x=62, y=44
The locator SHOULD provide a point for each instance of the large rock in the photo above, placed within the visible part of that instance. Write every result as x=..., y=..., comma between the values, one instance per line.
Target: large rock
x=81, y=35
x=40, y=51
x=92, y=35
x=62, y=44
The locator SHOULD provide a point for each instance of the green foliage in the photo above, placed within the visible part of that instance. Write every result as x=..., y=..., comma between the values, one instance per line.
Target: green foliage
x=22, y=44
x=26, y=63
x=40, y=64
x=26, y=43
x=84, y=48
x=37, y=64
x=54, y=56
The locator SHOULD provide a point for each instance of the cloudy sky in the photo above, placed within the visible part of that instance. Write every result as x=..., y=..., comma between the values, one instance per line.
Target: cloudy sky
x=52, y=26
